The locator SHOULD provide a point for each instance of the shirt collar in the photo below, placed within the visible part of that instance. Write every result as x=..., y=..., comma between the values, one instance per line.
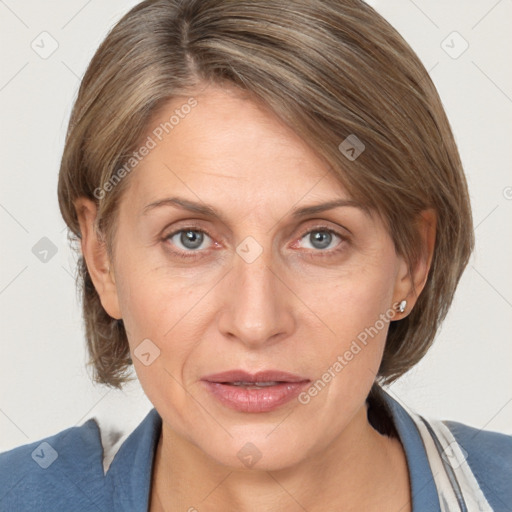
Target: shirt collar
x=131, y=470
x=423, y=488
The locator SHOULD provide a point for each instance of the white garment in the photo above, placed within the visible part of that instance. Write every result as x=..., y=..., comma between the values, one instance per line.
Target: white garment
x=455, y=482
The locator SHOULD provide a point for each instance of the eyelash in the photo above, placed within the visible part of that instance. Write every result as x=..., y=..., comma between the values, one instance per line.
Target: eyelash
x=196, y=254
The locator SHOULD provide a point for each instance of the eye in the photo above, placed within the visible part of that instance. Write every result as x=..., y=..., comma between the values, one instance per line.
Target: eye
x=323, y=238
x=191, y=242
x=187, y=240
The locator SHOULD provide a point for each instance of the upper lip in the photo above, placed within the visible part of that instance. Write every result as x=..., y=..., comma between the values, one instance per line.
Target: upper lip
x=262, y=376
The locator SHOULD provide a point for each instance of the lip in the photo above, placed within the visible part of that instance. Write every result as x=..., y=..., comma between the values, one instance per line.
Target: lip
x=262, y=376
x=244, y=399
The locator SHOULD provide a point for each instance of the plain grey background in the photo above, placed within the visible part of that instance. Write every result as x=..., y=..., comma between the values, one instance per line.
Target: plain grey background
x=45, y=48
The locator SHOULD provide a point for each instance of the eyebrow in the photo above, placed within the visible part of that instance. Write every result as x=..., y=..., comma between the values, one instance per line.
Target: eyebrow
x=209, y=211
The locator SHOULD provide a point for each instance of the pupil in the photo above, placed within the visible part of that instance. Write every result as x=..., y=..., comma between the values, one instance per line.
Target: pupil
x=191, y=239
x=321, y=239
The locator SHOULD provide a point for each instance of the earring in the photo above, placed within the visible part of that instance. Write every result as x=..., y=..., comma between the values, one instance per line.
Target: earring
x=401, y=307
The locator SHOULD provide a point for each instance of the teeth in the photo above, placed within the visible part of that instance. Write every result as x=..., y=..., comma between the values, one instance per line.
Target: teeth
x=255, y=384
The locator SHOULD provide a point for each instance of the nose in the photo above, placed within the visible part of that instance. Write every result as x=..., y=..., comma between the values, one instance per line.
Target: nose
x=256, y=303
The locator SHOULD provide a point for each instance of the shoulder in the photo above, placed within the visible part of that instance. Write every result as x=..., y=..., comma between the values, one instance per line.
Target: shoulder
x=489, y=456
x=453, y=463
x=93, y=467
x=63, y=472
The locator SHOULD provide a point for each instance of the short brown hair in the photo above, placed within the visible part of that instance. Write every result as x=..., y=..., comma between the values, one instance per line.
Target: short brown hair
x=329, y=69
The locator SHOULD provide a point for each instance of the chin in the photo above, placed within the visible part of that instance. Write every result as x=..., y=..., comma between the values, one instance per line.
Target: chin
x=258, y=451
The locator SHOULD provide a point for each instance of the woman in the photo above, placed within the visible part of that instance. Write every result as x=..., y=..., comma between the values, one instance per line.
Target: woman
x=273, y=219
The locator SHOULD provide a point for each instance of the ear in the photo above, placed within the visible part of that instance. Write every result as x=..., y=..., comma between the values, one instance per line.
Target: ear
x=94, y=250
x=409, y=284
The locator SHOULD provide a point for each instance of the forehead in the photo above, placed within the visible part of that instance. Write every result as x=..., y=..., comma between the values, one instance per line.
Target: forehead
x=230, y=148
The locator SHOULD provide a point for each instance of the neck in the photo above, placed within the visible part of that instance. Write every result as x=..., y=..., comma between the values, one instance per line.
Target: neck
x=360, y=470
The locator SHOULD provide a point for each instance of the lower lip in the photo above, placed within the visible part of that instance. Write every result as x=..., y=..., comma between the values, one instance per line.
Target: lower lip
x=255, y=400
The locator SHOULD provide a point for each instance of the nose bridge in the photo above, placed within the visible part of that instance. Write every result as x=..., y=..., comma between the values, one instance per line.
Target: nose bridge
x=256, y=308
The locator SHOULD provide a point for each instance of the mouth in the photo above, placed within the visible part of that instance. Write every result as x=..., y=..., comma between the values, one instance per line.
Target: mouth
x=260, y=392
x=253, y=385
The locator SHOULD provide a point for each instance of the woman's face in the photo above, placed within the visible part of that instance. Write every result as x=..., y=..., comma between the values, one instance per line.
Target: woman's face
x=256, y=286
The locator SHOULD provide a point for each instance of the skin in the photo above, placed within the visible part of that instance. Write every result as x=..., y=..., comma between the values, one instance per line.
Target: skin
x=296, y=307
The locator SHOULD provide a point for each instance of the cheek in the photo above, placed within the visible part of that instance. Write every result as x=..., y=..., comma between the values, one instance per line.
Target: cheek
x=346, y=368
x=160, y=310
x=356, y=298
x=151, y=298
x=355, y=309
x=167, y=309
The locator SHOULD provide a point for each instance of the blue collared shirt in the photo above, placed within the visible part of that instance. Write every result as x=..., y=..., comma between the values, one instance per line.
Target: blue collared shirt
x=65, y=472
